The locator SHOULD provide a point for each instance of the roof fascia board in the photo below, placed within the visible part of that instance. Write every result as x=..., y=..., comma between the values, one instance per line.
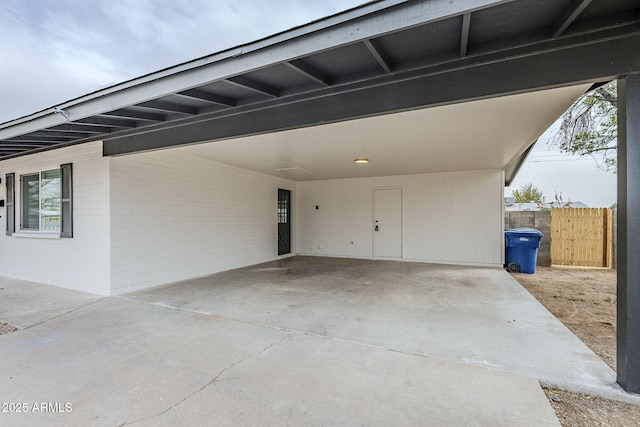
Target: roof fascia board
x=353, y=26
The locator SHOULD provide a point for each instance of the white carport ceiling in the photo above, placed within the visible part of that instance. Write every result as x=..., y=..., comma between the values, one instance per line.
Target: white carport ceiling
x=484, y=134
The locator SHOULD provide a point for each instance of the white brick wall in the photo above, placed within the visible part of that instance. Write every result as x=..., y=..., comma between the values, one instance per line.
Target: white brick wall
x=81, y=262
x=447, y=217
x=176, y=216
x=153, y=218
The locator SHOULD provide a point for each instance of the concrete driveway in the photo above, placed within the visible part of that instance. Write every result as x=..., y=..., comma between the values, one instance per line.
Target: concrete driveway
x=300, y=341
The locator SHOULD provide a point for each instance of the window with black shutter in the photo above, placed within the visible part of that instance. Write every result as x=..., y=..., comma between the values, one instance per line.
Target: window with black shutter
x=10, y=180
x=66, y=200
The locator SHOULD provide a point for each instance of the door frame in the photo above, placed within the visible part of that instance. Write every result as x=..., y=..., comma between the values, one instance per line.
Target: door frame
x=373, y=221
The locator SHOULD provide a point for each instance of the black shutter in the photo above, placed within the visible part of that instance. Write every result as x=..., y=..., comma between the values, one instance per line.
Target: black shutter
x=11, y=209
x=66, y=200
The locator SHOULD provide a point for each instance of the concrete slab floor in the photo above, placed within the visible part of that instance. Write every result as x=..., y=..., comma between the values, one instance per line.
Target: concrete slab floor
x=303, y=340
x=477, y=316
x=24, y=304
x=118, y=362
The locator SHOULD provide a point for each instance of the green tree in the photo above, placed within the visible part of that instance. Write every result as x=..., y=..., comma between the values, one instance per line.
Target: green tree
x=528, y=193
x=590, y=127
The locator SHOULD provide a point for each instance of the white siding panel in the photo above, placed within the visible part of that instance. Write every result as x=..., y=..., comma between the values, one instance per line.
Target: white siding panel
x=450, y=218
x=176, y=217
x=81, y=262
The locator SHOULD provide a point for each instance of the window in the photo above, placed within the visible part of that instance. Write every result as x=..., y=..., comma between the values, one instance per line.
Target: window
x=46, y=201
x=41, y=201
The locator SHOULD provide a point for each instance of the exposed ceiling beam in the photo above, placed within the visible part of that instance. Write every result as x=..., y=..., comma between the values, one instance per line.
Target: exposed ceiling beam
x=79, y=128
x=22, y=146
x=623, y=18
x=169, y=107
x=136, y=115
x=58, y=135
x=517, y=71
x=10, y=151
x=38, y=140
x=483, y=54
x=464, y=36
x=308, y=71
x=43, y=138
x=107, y=122
x=568, y=16
x=377, y=53
x=209, y=97
x=254, y=86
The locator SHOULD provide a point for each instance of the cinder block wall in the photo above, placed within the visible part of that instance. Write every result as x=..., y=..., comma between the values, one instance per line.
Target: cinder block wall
x=541, y=221
x=175, y=217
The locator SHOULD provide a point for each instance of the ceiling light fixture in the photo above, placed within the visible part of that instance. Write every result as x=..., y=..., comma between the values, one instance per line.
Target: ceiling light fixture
x=361, y=161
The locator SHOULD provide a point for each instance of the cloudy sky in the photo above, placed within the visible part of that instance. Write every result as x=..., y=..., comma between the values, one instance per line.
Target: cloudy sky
x=574, y=178
x=55, y=50
x=52, y=51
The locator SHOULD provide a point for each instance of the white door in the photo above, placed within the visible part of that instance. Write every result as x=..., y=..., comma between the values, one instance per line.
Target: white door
x=387, y=222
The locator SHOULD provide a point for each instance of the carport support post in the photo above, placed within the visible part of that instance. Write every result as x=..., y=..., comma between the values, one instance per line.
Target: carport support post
x=628, y=317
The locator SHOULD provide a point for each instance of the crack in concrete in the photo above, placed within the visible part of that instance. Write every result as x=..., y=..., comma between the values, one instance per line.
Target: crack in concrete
x=213, y=380
x=275, y=327
x=292, y=331
x=73, y=310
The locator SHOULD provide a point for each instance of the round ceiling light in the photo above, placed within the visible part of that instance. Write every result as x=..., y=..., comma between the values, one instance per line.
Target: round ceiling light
x=361, y=161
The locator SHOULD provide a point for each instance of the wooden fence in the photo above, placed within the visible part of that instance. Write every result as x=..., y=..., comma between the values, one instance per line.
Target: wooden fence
x=582, y=237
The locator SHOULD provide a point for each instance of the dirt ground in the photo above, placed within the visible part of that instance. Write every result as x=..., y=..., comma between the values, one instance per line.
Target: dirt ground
x=585, y=301
x=5, y=328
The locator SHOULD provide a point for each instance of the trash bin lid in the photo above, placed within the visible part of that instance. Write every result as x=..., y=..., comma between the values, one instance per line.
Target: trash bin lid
x=526, y=232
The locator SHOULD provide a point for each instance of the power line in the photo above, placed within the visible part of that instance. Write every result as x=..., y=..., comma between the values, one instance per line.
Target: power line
x=558, y=160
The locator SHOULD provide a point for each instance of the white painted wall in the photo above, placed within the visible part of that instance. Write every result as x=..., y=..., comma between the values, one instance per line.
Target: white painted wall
x=453, y=218
x=81, y=262
x=176, y=216
x=153, y=218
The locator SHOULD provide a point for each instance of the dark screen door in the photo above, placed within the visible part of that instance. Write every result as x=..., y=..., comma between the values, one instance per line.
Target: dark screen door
x=284, y=221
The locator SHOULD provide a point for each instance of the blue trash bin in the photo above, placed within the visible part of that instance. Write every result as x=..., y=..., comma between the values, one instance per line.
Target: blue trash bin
x=521, y=249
